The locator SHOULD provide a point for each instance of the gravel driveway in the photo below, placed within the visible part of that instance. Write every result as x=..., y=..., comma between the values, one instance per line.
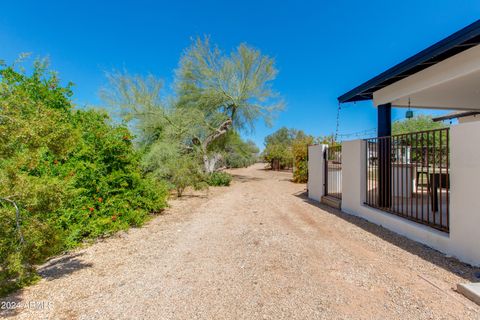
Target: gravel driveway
x=255, y=250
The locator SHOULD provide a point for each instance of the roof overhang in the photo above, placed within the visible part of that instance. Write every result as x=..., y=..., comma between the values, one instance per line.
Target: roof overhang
x=451, y=46
x=452, y=84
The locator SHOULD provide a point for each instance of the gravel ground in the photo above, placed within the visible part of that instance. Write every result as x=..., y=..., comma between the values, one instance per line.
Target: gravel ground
x=256, y=250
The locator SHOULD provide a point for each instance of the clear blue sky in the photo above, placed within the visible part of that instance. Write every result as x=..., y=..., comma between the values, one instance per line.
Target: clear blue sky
x=322, y=48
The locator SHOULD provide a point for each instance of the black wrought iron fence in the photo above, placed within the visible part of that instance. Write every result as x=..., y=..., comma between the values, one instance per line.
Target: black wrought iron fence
x=408, y=175
x=333, y=171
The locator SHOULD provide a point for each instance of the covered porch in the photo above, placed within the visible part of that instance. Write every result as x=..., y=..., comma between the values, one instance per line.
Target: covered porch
x=409, y=175
x=422, y=184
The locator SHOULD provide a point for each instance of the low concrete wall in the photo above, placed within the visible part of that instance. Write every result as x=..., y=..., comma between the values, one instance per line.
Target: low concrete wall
x=315, y=172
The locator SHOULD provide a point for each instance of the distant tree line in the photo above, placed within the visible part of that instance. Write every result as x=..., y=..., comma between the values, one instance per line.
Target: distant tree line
x=288, y=149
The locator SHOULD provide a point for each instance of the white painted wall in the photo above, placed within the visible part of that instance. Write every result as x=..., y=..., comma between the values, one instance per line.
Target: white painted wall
x=465, y=191
x=315, y=172
x=353, y=160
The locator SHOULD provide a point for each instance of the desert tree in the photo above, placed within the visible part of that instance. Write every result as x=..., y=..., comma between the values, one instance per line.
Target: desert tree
x=215, y=93
x=165, y=133
x=232, y=91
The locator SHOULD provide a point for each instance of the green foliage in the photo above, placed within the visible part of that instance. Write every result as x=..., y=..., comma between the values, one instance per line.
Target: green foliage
x=236, y=153
x=166, y=161
x=235, y=86
x=185, y=172
x=72, y=174
x=219, y=179
x=415, y=124
x=110, y=190
x=278, y=147
x=290, y=146
x=217, y=95
x=300, y=156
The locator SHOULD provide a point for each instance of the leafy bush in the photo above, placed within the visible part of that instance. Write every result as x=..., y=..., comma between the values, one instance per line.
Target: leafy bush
x=300, y=158
x=219, y=179
x=166, y=161
x=72, y=174
x=111, y=193
x=184, y=172
x=278, y=147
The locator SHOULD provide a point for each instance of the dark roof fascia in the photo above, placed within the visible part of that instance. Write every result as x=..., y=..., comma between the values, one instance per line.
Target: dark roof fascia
x=422, y=60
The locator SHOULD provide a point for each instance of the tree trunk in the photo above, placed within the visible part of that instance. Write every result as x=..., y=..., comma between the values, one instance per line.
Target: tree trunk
x=211, y=162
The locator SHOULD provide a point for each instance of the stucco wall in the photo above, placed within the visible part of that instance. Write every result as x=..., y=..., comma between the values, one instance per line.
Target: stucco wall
x=315, y=172
x=465, y=191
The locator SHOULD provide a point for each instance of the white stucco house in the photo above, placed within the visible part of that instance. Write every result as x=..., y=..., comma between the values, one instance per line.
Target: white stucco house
x=423, y=185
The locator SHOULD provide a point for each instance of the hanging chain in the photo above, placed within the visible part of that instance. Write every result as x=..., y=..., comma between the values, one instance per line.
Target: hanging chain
x=338, y=121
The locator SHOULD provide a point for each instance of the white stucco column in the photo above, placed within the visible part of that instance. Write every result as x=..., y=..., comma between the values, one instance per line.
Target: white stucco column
x=353, y=175
x=465, y=191
x=316, y=177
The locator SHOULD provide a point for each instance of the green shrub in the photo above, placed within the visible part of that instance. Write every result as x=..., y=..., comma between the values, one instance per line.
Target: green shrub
x=219, y=179
x=111, y=193
x=73, y=175
x=184, y=172
x=300, y=156
x=167, y=161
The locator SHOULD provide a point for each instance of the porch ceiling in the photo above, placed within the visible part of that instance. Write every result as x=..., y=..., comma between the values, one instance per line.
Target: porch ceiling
x=453, y=45
x=452, y=84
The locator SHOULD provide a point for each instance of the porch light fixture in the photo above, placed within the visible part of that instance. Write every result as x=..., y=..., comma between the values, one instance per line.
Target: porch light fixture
x=409, y=113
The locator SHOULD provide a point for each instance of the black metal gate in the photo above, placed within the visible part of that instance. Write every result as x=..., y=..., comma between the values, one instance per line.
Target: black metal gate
x=333, y=171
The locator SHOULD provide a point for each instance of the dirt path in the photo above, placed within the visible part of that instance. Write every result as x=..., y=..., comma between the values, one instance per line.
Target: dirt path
x=256, y=250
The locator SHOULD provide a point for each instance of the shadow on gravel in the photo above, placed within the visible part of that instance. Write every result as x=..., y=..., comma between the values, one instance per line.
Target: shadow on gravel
x=242, y=179
x=281, y=170
x=59, y=267
x=450, y=264
x=12, y=304
x=187, y=196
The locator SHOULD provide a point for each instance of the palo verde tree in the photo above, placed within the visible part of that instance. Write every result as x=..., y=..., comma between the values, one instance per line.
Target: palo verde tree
x=215, y=94
x=166, y=133
x=231, y=91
